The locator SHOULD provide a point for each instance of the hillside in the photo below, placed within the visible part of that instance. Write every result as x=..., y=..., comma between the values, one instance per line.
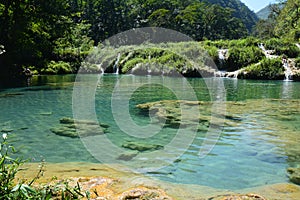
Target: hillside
x=248, y=17
x=266, y=11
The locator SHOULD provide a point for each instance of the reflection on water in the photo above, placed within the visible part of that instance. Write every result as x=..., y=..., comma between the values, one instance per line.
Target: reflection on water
x=260, y=138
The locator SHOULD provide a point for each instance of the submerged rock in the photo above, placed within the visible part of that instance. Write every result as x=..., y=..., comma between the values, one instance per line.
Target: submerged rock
x=141, y=146
x=46, y=113
x=128, y=155
x=294, y=175
x=69, y=127
x=185, y=114
x=239, y=197
x=7, y=130
x=10, y=95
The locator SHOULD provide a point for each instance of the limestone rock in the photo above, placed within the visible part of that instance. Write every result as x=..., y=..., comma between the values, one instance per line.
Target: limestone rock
x=141, y=146
x=294, y=175
x=69, y=127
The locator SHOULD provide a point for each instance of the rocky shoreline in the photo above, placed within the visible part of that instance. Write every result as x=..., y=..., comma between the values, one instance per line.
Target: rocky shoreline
x=104, y=182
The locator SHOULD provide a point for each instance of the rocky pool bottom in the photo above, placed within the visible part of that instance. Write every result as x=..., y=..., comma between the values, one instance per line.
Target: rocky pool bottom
x=258, y=147
x=277, y=116
x=105, y=182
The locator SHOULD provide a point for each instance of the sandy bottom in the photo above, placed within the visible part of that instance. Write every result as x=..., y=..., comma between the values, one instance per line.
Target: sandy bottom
x=113, y=184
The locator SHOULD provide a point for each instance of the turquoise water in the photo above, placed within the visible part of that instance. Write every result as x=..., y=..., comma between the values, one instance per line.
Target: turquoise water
x=253, y=148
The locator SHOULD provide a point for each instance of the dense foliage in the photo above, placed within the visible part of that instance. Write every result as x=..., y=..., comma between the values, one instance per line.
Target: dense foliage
x=11, y=188
x=266, y=69
x=37, y=34
x=55, y=36
x=283, y=21
x=241, y=11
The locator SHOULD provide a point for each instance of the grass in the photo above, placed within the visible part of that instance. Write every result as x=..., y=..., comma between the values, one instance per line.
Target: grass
x=10, y=165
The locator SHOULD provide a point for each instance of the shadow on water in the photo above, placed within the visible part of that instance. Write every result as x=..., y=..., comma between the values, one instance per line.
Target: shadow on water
x=52, y=82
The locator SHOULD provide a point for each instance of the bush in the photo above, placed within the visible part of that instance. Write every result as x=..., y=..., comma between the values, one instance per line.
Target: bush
x=283, y=47
x=243, y=57
x=266, y=69
x=9, y=166
x=59, y=67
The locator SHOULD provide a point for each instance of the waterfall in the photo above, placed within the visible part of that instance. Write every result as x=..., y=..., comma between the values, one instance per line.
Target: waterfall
x=149, y=66
x=222, y=55
x=220, y=74
x=2, y=50
x=288, y=71
x=298, y=45
x=262, y=47
x=100, y=68
x=116, y=67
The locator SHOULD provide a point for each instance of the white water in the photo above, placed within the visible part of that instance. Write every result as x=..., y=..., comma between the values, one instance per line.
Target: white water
x=100, y=68
x=288, y=72
x=221, y=54
x=116, y=67
x=2, y=50
x=220, y=74
x=262, y=47
x=148, y=66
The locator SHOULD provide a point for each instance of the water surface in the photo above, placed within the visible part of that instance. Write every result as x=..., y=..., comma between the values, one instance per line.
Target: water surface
x=255, y=147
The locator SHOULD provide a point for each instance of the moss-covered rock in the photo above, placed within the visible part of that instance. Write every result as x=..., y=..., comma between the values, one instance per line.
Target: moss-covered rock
x=294, y=175
x=185, y=114
x=138, y=146
x=6, y=130
x=69, y=127
x=126, y=156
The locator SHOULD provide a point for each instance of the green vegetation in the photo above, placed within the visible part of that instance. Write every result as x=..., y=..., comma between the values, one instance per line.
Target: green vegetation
x=39, y=34
x=283, y=21
x=10, y=164
x=266, y=69
x=56, y=36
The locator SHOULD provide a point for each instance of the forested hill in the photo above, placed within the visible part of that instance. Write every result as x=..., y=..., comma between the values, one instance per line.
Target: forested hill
x=241, y=11
x=35, y=33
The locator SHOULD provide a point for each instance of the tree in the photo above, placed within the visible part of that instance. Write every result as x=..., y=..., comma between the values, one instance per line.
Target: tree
x=288, y=21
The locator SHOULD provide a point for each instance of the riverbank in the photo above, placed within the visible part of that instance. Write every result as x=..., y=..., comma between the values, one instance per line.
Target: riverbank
x=112, y=184
x=249, y=58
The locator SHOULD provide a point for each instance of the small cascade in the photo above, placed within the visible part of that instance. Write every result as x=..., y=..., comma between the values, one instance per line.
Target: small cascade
x=220, y=74
x=100, y=68
x=262, y=47
x=298, y=45
x=148, y=66
x=235, y=74
x=288, y=71
x=2, y=50
x=222, y=56
x=116, y=65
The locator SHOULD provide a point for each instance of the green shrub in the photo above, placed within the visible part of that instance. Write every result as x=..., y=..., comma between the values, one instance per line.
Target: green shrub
x=283, y=47
x=266, y=69
x=10, y=165
x=59, y=67
x=131, y=64
x=243, y=57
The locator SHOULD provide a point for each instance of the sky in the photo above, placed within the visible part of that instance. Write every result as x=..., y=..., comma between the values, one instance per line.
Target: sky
x=257, y=5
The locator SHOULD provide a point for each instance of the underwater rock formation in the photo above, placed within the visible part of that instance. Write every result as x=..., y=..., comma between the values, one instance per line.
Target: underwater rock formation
x=69, y=127
x=141, y=146
x=294, y=175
